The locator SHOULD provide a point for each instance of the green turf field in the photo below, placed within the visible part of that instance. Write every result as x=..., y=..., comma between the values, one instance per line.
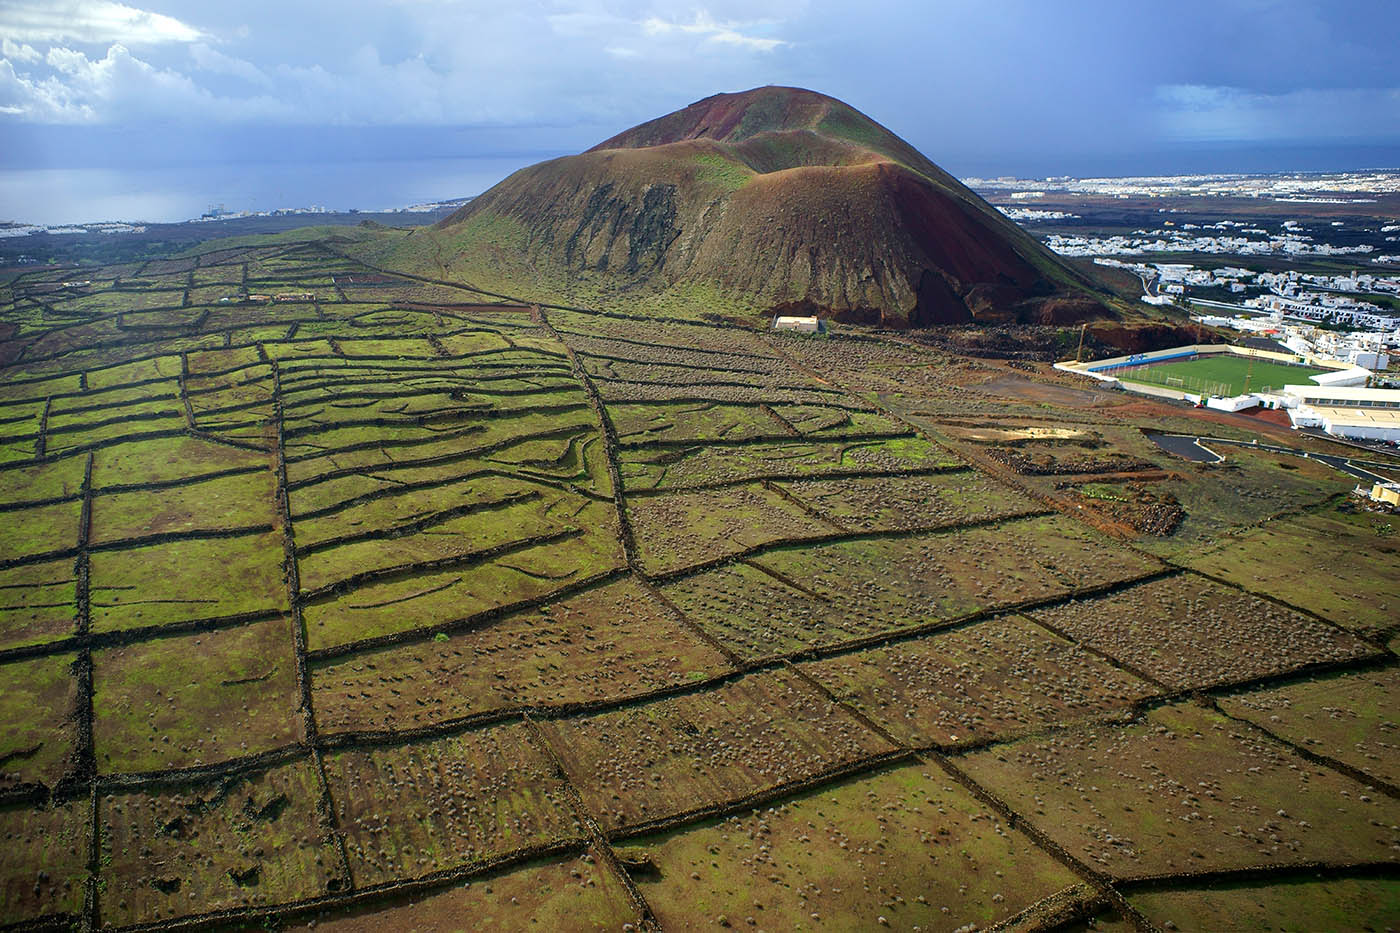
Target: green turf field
x=1220, y=374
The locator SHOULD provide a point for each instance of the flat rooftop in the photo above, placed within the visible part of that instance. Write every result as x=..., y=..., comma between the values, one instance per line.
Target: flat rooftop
x=1361, y=417
x=1344, y=393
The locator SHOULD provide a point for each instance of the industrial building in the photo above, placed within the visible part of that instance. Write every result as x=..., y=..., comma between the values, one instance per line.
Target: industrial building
x=1346, y=411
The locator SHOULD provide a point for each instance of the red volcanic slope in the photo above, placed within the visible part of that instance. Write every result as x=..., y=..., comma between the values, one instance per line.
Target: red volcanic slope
x=781, y=197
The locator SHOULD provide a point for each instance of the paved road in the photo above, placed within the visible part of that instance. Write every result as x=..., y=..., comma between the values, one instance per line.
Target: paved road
x=1185, y=445
x=1344, y=464
x=1349, y=466
x=1375, y=447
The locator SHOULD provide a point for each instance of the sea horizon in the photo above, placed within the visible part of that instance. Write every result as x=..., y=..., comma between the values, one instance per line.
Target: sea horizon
x=185, y=185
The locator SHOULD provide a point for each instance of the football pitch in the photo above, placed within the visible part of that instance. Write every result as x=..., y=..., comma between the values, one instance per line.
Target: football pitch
x=1222, y=374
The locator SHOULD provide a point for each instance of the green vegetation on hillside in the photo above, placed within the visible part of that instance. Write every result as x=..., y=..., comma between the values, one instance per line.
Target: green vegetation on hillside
x=715, y=169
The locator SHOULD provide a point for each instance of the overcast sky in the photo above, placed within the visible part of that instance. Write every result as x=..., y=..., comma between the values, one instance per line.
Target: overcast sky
x=981, y=86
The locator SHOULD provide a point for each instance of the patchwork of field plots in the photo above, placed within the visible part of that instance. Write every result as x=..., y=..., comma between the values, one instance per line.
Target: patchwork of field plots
x=1351, y=718
x=332, y=594
x=1187, y=789
x=902, y=847
x=1357, y=594
x=653, y=761
x=1185, y=632
x=826, y=595
x=1356, y=902
x=415, y=810
x=606, y=643
x=990, y=680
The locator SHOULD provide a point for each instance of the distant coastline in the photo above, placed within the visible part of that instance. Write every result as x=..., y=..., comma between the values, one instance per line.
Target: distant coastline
x=309, y=215
x=56, y=198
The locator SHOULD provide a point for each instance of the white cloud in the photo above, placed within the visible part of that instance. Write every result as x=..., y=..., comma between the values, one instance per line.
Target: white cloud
x=605, y=58
x=706, y=26
x=212, y=60
x=97, y=22
x=19, y=52
x=44, y=101
x=69, y=61
x=119, y=87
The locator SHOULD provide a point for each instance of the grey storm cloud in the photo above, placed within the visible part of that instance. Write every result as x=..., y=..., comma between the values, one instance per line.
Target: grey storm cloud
x=956, y=77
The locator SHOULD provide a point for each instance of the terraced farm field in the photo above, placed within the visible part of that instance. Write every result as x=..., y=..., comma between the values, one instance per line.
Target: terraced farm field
x=394, y=603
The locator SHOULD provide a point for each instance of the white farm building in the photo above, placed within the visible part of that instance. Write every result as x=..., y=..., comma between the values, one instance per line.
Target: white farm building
x=802, y=325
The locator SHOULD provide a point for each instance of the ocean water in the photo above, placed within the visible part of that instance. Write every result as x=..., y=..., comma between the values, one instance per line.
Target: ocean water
x=175, y=193
x=59, y=175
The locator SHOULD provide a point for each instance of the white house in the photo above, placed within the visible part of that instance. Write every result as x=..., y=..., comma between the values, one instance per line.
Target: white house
x=802, y=325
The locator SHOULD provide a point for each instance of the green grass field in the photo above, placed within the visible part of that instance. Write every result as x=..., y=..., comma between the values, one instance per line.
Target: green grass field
x=1222, y=374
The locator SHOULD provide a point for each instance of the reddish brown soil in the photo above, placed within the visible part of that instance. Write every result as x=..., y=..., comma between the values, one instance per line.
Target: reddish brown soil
x=1270, y=415
x=1140, y=338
